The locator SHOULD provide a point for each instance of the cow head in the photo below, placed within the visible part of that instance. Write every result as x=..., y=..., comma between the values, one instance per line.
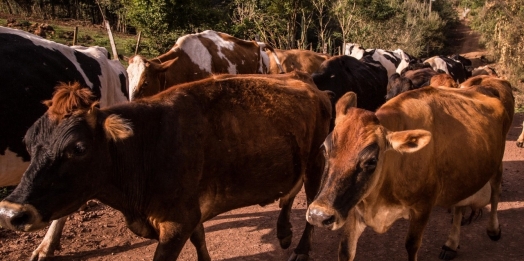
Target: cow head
x=67, y=167
x=147, y=78
x=398, y=84
x=354, y=157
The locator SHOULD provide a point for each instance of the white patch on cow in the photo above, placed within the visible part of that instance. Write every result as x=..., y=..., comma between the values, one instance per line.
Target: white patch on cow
x=437, y=63
x=404, y=60
x=357, y=51
x=135, y=70
x=200, y=55
x=11, y=168
x=111, y=92
x=264, y=61
x=380, y=56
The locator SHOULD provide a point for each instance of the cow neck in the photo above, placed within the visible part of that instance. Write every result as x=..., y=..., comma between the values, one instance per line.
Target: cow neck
x=165, y=81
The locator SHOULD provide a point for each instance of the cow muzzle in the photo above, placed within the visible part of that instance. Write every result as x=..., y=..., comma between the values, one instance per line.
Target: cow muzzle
x=322, y=216
x=20, y=217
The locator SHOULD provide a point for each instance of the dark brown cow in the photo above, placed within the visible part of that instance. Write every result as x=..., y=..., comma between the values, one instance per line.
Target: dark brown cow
x=174, y=160
x=290, y=60
x=424, y=148
x=484, y=70
x=410, y=80
x=195, y=57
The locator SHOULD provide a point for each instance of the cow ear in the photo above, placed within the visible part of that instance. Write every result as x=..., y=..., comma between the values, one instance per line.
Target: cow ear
x=408, y=141
x=117, y=128
x=166, y=65
x=347, y=101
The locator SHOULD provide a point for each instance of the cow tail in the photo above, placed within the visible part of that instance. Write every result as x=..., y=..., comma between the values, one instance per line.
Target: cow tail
x=267, y=46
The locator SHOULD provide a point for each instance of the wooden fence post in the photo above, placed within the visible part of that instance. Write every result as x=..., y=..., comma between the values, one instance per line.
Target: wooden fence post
x=75, y=35
x=138, y=42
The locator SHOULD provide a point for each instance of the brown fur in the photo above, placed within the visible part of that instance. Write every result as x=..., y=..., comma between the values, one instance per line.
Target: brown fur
x=67, y=99
x=301, y=60
x=467, y=129
x=176, y=67
x=443, y=79
x=197, y=150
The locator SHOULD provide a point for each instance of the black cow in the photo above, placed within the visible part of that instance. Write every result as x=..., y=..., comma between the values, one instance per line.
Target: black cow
x=366, y=78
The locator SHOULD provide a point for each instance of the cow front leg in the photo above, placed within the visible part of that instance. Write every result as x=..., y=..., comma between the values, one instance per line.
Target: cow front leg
x=284, y=233
x=418, y=221
x=51, y=241
x=172, y=237
x=353, y=229
x=198, y=238
x=449, y=249
x=311, y=186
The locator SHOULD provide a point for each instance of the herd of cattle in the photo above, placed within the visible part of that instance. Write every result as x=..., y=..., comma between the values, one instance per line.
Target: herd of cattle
x=247, y=124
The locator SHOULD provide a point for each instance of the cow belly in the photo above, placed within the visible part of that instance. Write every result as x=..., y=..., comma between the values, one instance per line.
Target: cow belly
x=11, y=169
x=478, y=200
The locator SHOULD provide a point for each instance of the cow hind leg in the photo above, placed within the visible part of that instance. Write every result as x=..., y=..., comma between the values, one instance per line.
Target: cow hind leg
x=449, y=249
x=494, y=231
x=51, y=241
x=198, y=238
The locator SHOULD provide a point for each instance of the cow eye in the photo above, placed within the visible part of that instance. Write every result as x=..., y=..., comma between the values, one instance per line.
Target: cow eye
x=79, y=149
x=370, y=164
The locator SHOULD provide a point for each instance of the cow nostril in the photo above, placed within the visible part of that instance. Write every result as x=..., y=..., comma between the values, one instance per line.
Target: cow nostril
x=21, y=219
x=329, y=221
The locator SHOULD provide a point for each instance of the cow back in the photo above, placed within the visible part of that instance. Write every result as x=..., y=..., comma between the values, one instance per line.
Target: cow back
x=478, y=119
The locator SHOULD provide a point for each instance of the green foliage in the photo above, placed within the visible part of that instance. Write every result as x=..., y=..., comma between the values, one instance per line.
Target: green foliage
x=501, y=24
x=401, y=24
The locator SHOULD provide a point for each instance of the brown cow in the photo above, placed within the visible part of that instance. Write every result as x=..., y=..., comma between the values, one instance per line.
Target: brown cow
x=174, y=160
x=195, y=57
x=290, y=60
x=444, y=80
x=403, y=160
x=491, y=80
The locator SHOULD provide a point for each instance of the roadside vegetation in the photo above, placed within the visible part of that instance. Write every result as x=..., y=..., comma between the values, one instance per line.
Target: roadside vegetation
x=501, y=25
x=419, y=27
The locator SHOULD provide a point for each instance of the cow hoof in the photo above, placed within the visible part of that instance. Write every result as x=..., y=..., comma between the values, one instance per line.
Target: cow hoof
x=286, y=241
x=495, y=237
x=520, y=144
x=447, y=253
x=298, y=257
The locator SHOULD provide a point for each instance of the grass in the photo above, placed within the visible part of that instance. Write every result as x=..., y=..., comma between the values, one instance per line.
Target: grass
x=87, y=36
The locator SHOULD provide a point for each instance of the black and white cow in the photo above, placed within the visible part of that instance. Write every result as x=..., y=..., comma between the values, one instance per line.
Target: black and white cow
x=31, y=67
x=451, y=66
x=394, y=61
